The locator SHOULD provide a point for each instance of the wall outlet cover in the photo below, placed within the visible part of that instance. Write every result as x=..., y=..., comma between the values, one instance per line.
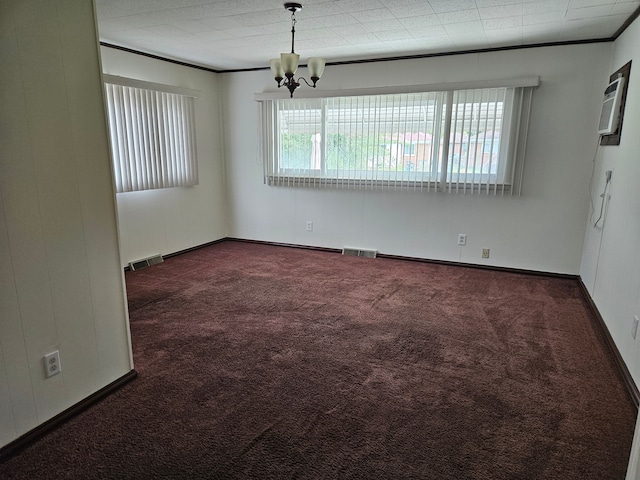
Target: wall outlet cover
x=52, y=364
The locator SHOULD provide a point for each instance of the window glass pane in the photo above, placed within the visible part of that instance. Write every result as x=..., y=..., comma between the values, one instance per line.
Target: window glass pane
x=300, y=135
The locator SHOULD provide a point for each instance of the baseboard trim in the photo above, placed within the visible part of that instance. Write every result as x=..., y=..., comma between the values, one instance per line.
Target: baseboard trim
x=416, y=259
x=632, y=388
x=480, y=266
x=190, y=249
x=40, y=431
x=288, y=245
x=197, y=247
x=381, y=255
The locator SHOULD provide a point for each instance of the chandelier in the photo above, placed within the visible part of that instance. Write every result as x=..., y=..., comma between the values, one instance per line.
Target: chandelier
x=284, y=68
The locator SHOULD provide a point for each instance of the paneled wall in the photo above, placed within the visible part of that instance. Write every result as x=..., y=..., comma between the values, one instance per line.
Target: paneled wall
x=611, y=256
x=61, y=285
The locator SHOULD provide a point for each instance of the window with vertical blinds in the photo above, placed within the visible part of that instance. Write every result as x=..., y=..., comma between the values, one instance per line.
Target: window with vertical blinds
x=453, y=141
x=152, y=138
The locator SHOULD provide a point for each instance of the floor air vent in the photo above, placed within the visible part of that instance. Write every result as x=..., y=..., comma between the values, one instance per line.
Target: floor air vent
x=355, y=252
x=146, y=262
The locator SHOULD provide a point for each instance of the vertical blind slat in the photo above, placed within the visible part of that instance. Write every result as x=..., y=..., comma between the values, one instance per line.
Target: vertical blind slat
x=493, y=138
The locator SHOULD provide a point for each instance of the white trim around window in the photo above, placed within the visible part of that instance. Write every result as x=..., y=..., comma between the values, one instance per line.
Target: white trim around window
x=515, y=82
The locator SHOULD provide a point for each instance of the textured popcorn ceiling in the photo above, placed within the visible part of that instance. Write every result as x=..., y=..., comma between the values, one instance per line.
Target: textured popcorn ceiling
x=237, y=34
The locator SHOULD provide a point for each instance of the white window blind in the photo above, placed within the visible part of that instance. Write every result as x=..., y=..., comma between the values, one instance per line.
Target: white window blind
x=398, y=141
x=152, y=138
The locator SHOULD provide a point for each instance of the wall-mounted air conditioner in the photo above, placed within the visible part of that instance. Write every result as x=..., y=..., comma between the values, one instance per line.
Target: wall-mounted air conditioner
x=610, y=113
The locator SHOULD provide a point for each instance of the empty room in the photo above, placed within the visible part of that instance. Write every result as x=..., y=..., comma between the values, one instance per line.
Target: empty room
x=337, y=239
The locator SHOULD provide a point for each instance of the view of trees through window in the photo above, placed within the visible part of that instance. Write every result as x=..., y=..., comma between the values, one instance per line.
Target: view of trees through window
x=394, y=136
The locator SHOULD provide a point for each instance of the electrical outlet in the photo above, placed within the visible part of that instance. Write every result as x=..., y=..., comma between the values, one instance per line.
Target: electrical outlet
x=52, y=363
x=462, y=239
x=485, y=253
x=634, y=327
x=309, y=226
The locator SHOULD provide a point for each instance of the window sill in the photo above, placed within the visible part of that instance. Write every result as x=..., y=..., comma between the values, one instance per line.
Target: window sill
x=401, y=185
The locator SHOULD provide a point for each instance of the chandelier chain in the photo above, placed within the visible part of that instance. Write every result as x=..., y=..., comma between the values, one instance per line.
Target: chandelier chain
x=293, y=29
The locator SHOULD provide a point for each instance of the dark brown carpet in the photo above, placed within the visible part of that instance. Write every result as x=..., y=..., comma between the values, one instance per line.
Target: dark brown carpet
x=261, y=362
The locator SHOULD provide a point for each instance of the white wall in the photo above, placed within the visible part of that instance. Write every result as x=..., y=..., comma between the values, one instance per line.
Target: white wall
x=541, y=230
x=611, y=260
x=173, y=219
x=61, y=284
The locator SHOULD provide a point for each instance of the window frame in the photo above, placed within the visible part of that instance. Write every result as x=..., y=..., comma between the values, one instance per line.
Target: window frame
x=517, y=113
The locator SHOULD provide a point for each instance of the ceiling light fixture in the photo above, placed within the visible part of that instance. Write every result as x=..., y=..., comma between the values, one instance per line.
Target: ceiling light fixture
x=287, y=64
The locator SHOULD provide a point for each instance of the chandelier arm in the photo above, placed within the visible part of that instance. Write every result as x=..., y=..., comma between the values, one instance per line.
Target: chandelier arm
x=308, y=84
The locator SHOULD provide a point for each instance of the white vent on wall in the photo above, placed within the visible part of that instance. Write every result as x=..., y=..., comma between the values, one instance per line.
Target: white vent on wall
x=610, y=113
x=356, y=252
x=146, y=262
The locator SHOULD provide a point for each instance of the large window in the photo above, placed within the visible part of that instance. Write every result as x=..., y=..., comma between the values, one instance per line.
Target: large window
x=462, y=140
x=152, y=138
